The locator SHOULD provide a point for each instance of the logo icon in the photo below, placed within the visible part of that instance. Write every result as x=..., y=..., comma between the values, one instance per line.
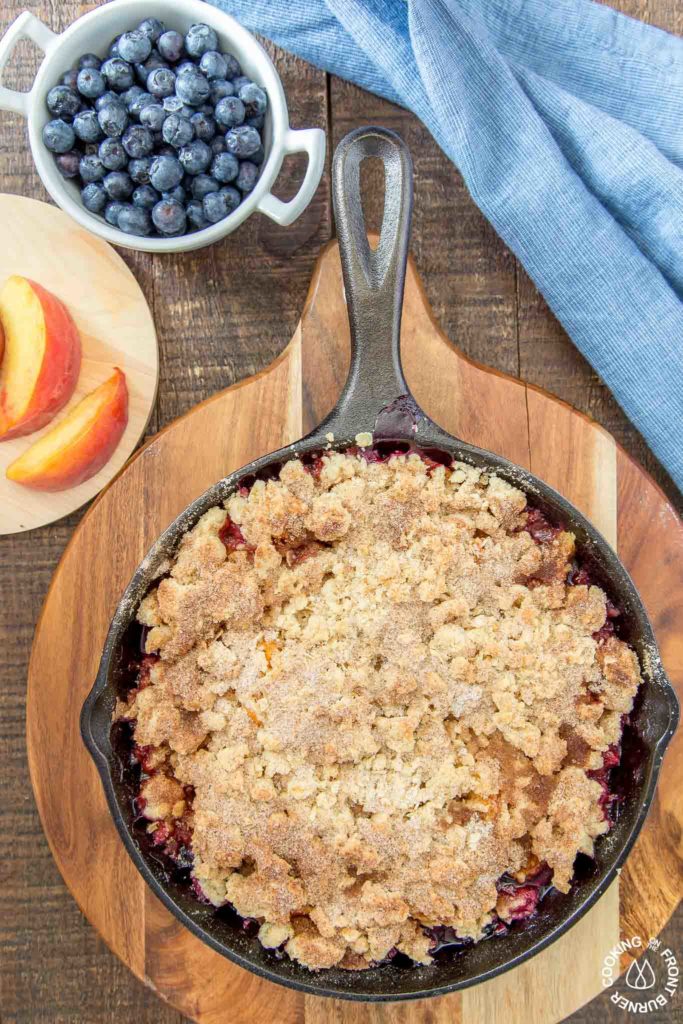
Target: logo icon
x=652, y=978
x=640, y=976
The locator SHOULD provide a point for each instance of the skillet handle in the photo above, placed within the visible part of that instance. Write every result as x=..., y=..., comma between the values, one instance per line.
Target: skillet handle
x=373, y=279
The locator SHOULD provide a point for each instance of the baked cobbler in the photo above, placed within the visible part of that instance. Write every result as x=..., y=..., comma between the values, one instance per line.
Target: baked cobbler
x=377, y=708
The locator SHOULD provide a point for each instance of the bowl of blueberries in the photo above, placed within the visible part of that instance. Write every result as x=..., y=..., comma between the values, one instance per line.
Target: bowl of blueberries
x=162, y=134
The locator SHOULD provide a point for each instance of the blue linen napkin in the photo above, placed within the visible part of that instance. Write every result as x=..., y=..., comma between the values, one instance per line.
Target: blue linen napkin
x=565, y=119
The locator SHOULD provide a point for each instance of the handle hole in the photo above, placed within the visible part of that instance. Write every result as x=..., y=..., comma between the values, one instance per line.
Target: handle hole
x=20, y=70
x=286, y=241
x=288, y=181
x=372, y=190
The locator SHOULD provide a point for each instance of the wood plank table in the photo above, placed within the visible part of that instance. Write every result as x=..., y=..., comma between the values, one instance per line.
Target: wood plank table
x=222, y=314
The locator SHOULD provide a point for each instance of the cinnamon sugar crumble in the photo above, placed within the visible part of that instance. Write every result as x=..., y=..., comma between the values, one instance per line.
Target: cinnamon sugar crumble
x=381, y=694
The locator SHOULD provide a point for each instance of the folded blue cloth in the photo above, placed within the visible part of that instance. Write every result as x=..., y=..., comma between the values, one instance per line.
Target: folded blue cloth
x=566, y=121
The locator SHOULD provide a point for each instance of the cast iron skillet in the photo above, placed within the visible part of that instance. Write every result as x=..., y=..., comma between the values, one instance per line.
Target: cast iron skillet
x=376, y=399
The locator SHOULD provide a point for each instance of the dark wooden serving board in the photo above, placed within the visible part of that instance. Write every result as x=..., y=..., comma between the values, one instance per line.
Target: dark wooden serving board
x=258, y=415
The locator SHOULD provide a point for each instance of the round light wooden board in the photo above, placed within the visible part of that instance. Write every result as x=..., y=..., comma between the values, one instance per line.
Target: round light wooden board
x=257, y=416
x=116, y=329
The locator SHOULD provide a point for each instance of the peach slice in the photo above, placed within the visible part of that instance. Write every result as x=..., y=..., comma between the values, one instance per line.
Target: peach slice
x=80, y=444
x=42, y=357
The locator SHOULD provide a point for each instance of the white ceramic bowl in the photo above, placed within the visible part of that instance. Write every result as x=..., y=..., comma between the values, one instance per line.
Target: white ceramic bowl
x=92, y=34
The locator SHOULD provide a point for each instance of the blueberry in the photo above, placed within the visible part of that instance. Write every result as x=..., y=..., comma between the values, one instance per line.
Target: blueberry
x=138, y=141
x=153, y=63
x=199, y=39
x=218, y=145
x=234, y=69
x=203, y=184
x=153, y=116
x=168, y=217
x=139, y=104
x=111, y=213
x=177, y=130
x=161, y=83
x=90, y=83
x=239, y=81
x=256, y=121
x=139, y=169
x=107, y=97
x=113, y=155
x=232, y=197
x=259, y=156
x=193, y=88
x=145, y=197
x=152, y=28
x=67, y=163
x=113, y=119
x=254, y=99
x=89, y=60
x=91, y=168
x=195, y=157
x=63, y=102
x=165, y=150
x=171, y=46
x=243, y=142
x=94, y=197
x=218, y=205
x=230, y=112
x=225, y=167
x=118, y=185
x=213, y=64
x=113, y=50
x=58, y=136
x=165, y=173
x=178, y=193
x=174, y=105
x=247, y=177
x=135, y=221
x=195, y=215
x=70, y=78
x=204, y=126
x=135, y=46
x=186, y=65
x=118, y=73
x=131, y=95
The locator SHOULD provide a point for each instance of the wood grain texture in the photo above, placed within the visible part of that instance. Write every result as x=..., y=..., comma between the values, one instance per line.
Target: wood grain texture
x=446, y=1010
x=115, y=327
x=257, y=416
x=246, y=298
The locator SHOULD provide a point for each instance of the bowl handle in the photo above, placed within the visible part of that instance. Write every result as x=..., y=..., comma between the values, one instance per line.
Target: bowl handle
x=26, y=26
x=312, y=142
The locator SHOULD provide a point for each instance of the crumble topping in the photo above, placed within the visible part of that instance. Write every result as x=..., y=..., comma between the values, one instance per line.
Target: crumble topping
x=371, y=694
